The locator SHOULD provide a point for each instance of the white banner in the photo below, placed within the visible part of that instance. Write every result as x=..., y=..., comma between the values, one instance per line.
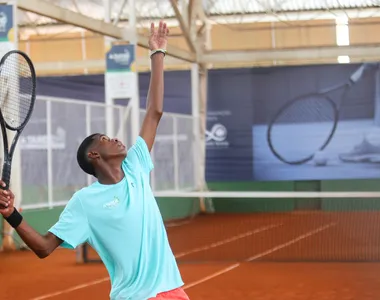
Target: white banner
x=121, y=85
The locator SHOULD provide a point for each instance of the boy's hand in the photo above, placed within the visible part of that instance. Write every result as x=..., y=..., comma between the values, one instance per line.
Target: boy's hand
x=158, y=36
x=7, y=200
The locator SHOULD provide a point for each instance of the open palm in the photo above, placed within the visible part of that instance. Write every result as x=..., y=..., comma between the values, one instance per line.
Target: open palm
x=158, y=36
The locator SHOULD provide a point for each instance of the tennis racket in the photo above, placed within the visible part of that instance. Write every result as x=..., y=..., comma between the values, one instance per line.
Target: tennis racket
x=307, y=124
x=17, y=98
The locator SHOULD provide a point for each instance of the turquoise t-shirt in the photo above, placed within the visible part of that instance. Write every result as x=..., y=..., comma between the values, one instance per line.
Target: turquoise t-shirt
x=123, y=224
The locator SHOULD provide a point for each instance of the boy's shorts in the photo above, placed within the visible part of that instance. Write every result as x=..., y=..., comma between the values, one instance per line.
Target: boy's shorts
x=177, y=294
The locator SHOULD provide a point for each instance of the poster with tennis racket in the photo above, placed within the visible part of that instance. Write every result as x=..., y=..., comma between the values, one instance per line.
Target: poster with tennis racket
x=317, y=122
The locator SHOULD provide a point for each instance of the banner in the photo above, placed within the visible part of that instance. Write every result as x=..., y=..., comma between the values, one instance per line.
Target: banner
x=120, y=74
x=229, y=125
x=40, y=141
x=7, y=41
x=318, y=122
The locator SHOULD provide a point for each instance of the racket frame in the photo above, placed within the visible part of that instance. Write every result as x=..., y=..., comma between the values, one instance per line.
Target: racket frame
x=8, y=152
x=285, y=107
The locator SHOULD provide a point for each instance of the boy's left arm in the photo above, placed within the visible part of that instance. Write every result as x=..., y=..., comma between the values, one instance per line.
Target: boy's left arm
x=155, y=99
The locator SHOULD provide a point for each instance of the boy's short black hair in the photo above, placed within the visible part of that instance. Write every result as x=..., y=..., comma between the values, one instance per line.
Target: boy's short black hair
x=82, y=158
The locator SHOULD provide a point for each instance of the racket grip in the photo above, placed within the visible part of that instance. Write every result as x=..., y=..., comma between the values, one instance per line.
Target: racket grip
x=360, y=71
x=358, y=74
x=6, y=175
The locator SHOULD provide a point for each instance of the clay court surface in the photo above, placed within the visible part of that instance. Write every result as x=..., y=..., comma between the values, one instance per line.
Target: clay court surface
x=284, y=256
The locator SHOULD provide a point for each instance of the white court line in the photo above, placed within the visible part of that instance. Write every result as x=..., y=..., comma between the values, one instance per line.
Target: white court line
x=229, y=268
x=262, y=254
x=229, y=240
x=291, y=242
x=213, y=245
x=78, y=287
x=216, y=274
x=177, y=224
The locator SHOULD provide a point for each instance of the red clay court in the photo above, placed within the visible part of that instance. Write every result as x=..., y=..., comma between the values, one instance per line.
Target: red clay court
x=286, y=256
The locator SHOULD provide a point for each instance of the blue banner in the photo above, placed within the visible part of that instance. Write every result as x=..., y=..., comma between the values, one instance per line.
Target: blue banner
x=229, y=125
x=6, y=22
x=120, y=58
x=317, y=122
x=92, y=88
x=243, y=112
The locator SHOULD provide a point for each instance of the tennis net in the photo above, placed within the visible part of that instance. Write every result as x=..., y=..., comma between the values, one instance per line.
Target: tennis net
x=272, y=226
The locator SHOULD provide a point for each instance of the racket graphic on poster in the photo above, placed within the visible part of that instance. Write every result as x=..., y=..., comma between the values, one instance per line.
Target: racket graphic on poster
x=314, y=109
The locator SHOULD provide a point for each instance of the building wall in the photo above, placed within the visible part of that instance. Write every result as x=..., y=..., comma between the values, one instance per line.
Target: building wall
x=79, y=46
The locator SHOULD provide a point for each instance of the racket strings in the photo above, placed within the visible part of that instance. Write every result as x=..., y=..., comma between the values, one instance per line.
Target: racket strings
x=307, y=111
x=16, y=89
x=302, y=128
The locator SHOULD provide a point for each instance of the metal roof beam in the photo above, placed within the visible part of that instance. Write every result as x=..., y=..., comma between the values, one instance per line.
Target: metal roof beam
x=315, y=53
x=184, y=26
x=94, y=64
x=287, y=16
x=55, y=12
x=280, y=17
x=356, y=53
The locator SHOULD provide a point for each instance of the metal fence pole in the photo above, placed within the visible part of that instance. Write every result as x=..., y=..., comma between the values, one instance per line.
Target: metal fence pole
x=49, y=154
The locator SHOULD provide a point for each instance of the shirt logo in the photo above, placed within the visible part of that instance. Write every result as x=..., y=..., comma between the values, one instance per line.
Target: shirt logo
x=132, y=184
x=115, y=202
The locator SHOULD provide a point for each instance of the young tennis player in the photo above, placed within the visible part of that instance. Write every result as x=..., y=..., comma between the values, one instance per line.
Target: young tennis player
x=117, y=215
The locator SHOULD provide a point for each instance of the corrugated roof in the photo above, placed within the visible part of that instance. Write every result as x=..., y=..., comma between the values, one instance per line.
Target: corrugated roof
x=220, y=7
x=149, y=9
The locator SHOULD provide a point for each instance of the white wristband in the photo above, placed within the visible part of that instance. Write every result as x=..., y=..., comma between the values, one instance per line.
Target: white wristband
x=152, y=52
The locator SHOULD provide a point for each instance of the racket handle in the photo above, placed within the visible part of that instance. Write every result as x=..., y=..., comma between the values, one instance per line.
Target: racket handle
x=358, y=74
x=6, y=175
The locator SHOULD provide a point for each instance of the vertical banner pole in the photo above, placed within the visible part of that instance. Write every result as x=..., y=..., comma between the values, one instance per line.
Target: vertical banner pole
x=120, y=80
x=108, y=94
x=377, y=99
x=49, y=153
x=135, y=99
x=196, y=127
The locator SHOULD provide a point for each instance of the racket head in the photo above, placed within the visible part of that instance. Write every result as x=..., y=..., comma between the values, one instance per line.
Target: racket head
x=17, y=89
x=302, y=127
